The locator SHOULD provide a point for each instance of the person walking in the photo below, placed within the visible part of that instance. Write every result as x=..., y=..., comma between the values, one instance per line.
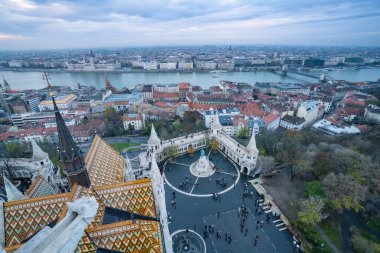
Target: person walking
x=246, y=232
x=218, y=215
x=256, y=239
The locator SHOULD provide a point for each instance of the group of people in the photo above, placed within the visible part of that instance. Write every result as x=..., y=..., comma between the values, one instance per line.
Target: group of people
x=174, y=204
x=187, y=182
x=208, y=230
x=222, y=182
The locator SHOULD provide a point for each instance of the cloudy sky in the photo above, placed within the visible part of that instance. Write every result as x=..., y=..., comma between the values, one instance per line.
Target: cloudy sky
x=45, y=24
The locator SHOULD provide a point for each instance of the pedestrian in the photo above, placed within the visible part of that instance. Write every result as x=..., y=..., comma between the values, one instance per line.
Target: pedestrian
x=246, y=232
x=187, y=230
x=218, y=215
x=262, y=222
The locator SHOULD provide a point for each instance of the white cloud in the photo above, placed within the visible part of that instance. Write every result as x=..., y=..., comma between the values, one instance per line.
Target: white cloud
x=88, y=23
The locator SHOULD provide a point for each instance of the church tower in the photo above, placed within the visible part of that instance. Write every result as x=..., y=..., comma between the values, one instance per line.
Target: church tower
x=70, y=154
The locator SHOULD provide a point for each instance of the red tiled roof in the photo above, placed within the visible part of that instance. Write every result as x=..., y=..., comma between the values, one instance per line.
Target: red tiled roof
x=351, y=101
x=121, y=103
x=252, y=109
x=127, y=118
x=202, y=107
x=270, y=118
x=215, y=89
x=165, y=95
x=184, y=86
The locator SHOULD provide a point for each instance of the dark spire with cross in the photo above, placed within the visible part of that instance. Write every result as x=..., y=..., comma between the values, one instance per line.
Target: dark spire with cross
x=69, y=153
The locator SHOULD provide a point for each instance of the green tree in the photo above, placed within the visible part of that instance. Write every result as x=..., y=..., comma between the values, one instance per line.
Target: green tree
x=190, y=150
x=324, y=162
x=15, y=149
x=311, y=210
x=171, y=152
x=215, y=145
x=344, y=192
x=301, y=167
x=131, y=128
x=243, y=132
x=313, y=188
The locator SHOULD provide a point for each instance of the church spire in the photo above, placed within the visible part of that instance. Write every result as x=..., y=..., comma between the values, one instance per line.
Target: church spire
x=70, y=154
x=252, y=143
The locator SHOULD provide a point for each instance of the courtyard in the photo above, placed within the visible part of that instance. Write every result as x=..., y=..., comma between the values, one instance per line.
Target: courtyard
x=206, y=207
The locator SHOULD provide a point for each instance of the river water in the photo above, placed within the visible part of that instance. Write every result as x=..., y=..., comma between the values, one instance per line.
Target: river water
x=33, y=80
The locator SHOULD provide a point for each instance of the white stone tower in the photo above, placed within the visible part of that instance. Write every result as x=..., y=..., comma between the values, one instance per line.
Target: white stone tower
x=154, y=142
x=216, y=127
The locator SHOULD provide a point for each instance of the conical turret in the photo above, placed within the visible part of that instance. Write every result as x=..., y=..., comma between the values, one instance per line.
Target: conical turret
x=38, y=153
x=12, y=192
x=216, y=123
x=252, y=144
x=153, y=139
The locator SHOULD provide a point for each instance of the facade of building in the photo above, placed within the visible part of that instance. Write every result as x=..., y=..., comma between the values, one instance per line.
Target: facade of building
x=183, y=65
x=33, y=102
x=334, y=129
x=292, y=122
x=134, y=121
x=205, y=65
x=289, y=88
x=310, y=111
x=151, y=65
x=244, y=157
x=372, y=112
x=168, y=65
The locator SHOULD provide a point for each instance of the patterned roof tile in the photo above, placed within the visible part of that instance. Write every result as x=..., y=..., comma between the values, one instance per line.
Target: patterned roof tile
x=104, y=165
x=40, y=187
x=26, y=217
x=133, y=196
x=129, y=236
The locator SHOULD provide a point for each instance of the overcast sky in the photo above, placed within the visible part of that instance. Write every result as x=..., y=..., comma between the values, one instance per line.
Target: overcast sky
x=27, y=24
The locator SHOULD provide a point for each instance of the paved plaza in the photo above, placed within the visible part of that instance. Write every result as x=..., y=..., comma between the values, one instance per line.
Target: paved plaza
x=196, y=210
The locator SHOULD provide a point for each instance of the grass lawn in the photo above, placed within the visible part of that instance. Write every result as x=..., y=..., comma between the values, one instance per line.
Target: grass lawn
x=123, y=145
x=333, y=232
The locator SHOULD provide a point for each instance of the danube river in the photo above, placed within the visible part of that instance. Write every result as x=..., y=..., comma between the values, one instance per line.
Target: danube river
x=33, y=80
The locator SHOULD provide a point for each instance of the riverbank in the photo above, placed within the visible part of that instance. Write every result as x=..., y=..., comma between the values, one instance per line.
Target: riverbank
x=33, y=79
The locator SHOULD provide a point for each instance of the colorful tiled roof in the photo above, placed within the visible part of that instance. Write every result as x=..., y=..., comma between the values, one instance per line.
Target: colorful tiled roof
x=104, y=165
x=139, y=236
x=134, y=196
x=80, y=191
x=40, y=187
x=24, y=218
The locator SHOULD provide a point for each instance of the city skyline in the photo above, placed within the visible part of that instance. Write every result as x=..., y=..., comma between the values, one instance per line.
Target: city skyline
x=87, y=24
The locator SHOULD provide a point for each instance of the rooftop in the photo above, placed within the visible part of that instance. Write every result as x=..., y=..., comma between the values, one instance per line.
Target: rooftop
x=293, y=120
x=63, y=100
